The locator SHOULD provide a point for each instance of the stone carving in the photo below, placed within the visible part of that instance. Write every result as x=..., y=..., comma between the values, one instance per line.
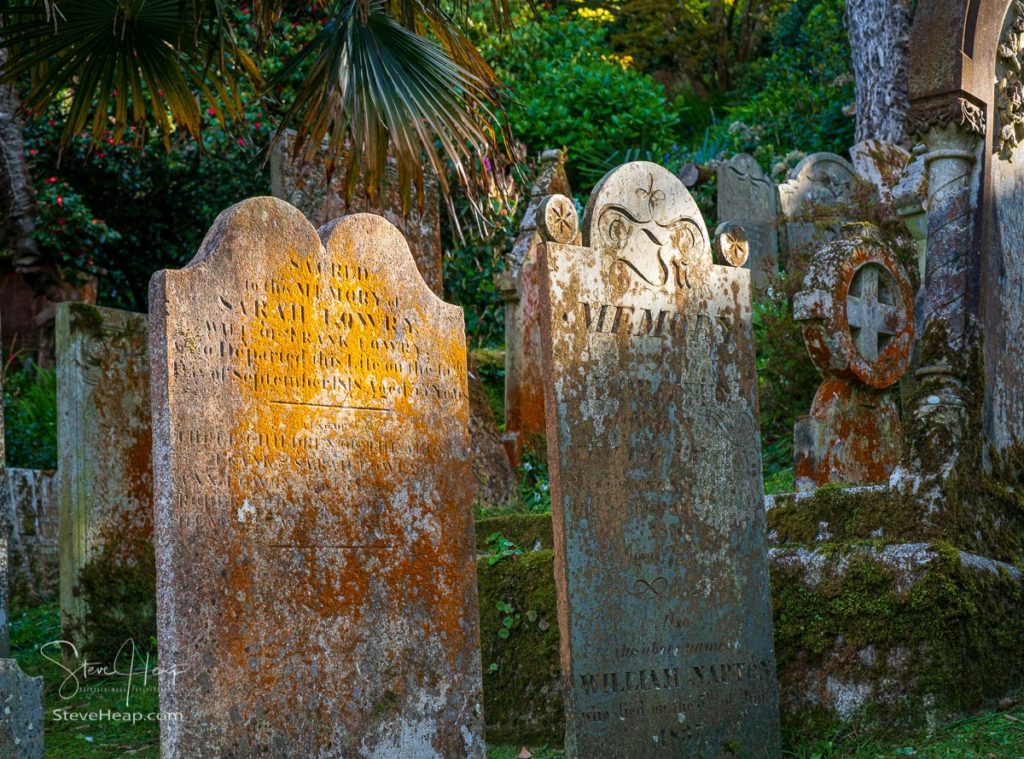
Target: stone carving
x=519, y=288
x=1010, y=88
x=820, y=182
x=105, y=472
x=656, y=481
x=557, y=219
x=857, y=316
x=21, y=713
x=731, y=243
x=749, y=197
x=925, y=116
x=316, y=584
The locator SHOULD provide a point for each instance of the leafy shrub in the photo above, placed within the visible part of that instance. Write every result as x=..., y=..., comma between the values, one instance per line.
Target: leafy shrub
x=30, y=416
x=570, y=90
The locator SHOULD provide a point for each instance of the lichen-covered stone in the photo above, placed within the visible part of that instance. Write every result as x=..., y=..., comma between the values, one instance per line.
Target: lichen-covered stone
x=30, y=520
x=315, y=558
x=660, y=557
x=893, y=636
x=105, y=472
x=21, y=713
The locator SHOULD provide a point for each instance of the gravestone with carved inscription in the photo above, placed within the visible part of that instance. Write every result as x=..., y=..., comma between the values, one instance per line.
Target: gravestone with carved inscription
x=316, y=582
x=856, y=311
x=661, y=562
x=748, y=197
x=104, y=444
x=815, y=200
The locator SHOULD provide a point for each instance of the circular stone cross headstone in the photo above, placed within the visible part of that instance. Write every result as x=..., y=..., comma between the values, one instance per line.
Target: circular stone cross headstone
x=856, y=310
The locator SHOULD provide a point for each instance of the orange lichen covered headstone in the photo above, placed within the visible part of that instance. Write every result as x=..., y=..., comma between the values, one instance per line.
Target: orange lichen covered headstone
x=315, y=561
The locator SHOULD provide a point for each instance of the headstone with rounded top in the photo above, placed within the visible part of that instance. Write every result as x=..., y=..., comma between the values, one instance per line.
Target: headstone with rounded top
x=815, y=200
x=316, y=583
x=856, y=311
x=653, y=448
x=748, y=197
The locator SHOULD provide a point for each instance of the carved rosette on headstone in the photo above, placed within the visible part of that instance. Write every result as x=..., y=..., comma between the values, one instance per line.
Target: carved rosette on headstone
x=857, y=316
x=815, y=200
x=519, y=288
x=105, y=472
x=316, y=581
x=660, y=558
x=748, y=197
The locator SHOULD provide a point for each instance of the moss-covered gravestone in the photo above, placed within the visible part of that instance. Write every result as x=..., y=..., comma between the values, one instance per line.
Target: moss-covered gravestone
x=316, y=584
x=660, y=557
x=105, y=477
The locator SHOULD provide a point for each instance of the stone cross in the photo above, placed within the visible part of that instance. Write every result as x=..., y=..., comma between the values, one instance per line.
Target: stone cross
x=316, y=581
x=653, y=448
x=856, y=311
x=104, y=444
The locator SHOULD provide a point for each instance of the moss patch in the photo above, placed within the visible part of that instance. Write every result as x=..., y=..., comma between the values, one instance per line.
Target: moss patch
x=489, y=364
x=892, y=637
x=522, y=688
x=525, y=530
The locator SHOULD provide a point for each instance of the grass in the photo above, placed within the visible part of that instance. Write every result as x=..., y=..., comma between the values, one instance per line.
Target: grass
x=989, y=735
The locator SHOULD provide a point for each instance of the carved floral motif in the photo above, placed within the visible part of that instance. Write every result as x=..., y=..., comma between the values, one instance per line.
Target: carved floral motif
x=1009, y=87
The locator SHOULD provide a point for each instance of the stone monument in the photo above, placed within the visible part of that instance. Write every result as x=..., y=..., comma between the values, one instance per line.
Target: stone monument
x=518, y=286
x=815, y=200
x=105, y=472
x=21, y=713
x=653, y=447
x=748, y=197
x=316, y=583
x=856, y=311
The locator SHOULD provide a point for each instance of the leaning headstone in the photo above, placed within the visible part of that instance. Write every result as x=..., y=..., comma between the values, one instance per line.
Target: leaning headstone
x=748, y=197
x=653, y=447
x=316, y=584
x=304, y=184
x=815, y=200
x=104, y=444
x=518, y=286
x=21, y=713
x=856, y=311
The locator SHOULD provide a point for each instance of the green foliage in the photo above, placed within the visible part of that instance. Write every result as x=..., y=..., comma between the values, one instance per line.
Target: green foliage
x=534, y=489
x=30, y=416
x=570, y=90
x=794, y=98
x=499, y=547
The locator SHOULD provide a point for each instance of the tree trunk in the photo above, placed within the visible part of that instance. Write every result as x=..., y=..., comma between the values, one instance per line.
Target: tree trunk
x=17, y=206
x=879, y=30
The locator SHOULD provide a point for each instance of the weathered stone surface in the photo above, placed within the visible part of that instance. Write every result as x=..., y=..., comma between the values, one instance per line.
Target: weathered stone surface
x=880, y=163
x=5, y=649
x=518, y=285
x=494, y=481
x=653, y=449
x=814, y=198
x=316, y=589
x=856, y=311
x=104, y=435
x=749, y=198
x=30, y=519
x=21, y=713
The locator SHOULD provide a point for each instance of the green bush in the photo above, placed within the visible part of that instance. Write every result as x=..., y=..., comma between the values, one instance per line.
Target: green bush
x=30, y=417
x=570, y=90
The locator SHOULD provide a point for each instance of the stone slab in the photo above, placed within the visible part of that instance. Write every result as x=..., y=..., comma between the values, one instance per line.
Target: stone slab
x=748, y=197
x=654, y=454
x=5, y=611
x=104, y=436
x=30, y=518
x=814, y=199
x=21, y=713
x=316, y=592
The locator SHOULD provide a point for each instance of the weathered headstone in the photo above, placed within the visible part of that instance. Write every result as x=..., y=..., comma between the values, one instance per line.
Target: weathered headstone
x=749, y=198
x=815, y=200
x=5, y=649
x=21, y=713
x=518, y=286
x=316, y=583
x=104, y=443
x=857, y=316
x=30, y=520
x=653, y=447
x=304, y=184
